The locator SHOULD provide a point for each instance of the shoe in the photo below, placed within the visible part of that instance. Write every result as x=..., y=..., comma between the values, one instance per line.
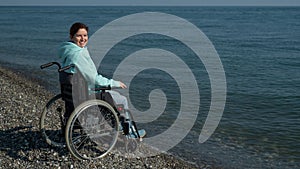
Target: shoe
x=142, y=133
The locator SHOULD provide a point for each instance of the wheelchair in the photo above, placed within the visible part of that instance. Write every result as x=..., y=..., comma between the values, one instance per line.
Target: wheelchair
x=88, y=126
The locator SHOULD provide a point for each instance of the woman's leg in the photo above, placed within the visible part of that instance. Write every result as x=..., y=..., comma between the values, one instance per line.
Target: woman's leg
x=119, y=99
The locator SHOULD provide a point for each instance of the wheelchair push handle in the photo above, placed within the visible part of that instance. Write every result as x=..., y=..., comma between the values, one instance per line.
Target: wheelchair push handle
x=65, y=68
x=50, y=64
x=60, y=69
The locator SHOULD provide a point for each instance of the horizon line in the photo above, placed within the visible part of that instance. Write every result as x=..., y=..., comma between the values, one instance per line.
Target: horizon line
x=154, y=5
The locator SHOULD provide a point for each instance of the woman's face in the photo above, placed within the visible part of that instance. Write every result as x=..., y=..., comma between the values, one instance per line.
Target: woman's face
x=80, y=38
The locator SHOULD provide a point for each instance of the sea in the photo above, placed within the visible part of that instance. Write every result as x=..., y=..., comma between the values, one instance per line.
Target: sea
x=259, y=49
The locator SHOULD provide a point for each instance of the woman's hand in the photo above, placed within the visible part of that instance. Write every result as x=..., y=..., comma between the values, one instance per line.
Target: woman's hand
x=122, y=85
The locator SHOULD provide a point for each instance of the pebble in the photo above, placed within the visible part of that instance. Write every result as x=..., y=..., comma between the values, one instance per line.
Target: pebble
x=22, y=146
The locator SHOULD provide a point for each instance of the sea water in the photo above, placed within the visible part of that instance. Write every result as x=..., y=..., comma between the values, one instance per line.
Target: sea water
x=259, y=48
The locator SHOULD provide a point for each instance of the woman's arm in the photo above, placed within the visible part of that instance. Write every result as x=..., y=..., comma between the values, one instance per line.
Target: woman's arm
x=87, y=68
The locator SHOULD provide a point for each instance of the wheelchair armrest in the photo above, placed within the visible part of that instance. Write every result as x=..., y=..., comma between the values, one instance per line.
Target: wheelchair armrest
x=101, y=88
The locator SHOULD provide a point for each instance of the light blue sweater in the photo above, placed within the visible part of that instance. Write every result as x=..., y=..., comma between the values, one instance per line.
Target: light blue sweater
x=70, y=53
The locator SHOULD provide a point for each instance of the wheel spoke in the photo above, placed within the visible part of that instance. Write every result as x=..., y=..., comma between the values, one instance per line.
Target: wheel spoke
x=96, y=130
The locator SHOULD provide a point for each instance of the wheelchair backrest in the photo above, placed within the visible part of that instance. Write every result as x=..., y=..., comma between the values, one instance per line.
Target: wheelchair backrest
x=73, y=87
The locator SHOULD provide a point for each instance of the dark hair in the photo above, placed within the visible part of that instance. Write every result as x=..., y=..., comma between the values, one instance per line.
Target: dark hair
x=76, y=26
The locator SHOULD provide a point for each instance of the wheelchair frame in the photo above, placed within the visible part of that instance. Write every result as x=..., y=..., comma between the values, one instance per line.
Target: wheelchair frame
x=92, y=129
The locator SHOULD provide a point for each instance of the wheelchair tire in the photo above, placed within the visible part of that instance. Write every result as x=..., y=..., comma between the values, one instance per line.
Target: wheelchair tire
x=51, y=122
x=92, y=130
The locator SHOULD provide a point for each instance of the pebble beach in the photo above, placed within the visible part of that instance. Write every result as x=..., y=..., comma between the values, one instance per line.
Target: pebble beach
x=22, y=146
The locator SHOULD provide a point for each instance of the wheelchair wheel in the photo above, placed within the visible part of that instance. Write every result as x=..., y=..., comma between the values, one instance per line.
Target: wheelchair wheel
x=92, y=130
x=51, y=122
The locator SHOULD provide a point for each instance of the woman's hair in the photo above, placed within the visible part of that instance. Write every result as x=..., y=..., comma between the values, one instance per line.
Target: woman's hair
x=76, y=26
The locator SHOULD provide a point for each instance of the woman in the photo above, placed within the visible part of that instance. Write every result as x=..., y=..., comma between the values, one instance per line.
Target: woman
x=75, y=52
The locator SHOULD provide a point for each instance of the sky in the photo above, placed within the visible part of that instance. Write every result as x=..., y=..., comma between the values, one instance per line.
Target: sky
x=154, y=2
